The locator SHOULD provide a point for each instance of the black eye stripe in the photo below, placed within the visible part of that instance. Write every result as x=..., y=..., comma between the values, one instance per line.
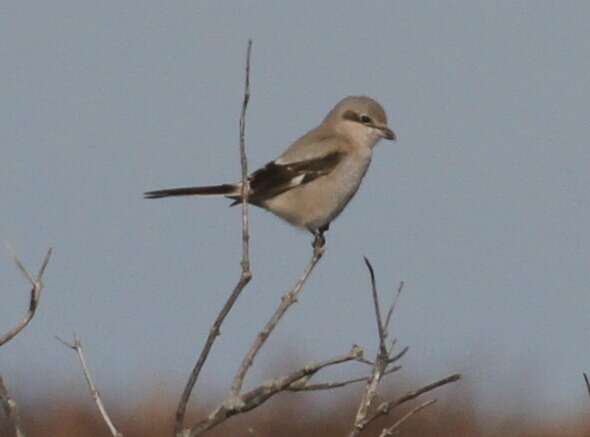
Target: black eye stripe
x=351, y=115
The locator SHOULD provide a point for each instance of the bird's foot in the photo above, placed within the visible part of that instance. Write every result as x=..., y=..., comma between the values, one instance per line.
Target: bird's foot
x=319, y=240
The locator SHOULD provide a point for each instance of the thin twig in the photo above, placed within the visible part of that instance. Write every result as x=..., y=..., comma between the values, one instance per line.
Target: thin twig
x=10, y=409
x=390, y=360
x=425, y=389
x=257, y=396
x=244, y=166
x=337, y=384
x=587, y=381
x=389, y=431
x=286, y=301
x=393, y=304
x=380, y=326
x=399, y=355
x=36, y=288
x=245, y=275
x=77, y=347
x=386, y=407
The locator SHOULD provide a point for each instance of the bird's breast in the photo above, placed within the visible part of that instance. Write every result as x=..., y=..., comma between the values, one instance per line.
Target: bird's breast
x=318, y=202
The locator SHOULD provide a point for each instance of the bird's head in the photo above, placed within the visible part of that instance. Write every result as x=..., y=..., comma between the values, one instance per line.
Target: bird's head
x=362, y=119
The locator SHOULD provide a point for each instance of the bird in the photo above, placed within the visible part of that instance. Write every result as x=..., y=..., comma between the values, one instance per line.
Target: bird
x=313, y=180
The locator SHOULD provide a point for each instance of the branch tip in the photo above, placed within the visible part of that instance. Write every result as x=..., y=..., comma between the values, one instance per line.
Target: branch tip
x=76, y=346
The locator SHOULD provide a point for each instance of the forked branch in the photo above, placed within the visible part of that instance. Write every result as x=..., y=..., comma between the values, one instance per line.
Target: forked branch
x=336, y=384
x=36, y=288
x=391, y=430
x=237, y=402
x=77, y=347
x=368, y=411
x=251, y=399
x=286, y=302
x=8, y=404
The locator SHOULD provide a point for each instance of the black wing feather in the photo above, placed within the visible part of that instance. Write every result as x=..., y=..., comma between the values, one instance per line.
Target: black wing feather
x=274, y=179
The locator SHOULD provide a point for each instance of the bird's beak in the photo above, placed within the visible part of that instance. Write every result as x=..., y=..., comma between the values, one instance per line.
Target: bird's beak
x=387, y=133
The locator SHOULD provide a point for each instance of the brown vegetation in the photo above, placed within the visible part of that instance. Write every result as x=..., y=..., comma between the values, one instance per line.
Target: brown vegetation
x=289, y=416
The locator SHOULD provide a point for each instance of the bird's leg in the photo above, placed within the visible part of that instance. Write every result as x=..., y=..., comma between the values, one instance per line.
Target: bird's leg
x=319, y=240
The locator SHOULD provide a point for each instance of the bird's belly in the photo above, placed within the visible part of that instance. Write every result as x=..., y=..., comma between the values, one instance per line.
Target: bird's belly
x=318, y=202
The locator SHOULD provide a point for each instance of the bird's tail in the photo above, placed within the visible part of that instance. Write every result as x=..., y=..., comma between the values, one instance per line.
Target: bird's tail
x=210, y=190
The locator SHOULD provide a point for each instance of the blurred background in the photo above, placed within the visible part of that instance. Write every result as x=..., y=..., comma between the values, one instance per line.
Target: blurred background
x=481, y=207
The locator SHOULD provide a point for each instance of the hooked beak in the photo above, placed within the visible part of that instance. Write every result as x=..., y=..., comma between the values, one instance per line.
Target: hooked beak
x=387, y=133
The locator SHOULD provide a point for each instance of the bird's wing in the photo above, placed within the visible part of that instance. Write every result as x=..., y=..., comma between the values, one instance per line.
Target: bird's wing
x=315, y=144
x=275, y=178
x=313, y=155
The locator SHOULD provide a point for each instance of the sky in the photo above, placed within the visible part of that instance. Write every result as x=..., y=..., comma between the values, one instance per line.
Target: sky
x=481, y=207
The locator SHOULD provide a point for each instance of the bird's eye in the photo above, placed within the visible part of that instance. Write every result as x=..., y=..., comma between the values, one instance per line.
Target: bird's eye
x=365, y=119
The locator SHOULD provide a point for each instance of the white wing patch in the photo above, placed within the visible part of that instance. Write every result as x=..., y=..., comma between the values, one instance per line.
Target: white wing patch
x=297, y=180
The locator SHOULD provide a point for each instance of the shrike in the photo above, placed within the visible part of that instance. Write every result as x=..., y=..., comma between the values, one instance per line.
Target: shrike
x=315, y=178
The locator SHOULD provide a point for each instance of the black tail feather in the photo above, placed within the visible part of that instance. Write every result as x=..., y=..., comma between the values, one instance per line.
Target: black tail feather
x=219, y=190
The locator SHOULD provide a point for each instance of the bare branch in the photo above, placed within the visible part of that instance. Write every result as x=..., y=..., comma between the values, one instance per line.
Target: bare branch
x=286, y=301
x=10, y=409
x=379, y=367
x=36, y=288
x=235, y=403
x=77, y=347
x=368, y=397
x=587, y=381
x=393, y=304
x=213, y=333
x=257, y=396
x=367, y=412
x=245, y=275
x=393, y=428
x=244, y=166
x=425, y=389
x=337, y=384
x=380, y=326
x=390, y=360
x=386, y=407
x=399, y=355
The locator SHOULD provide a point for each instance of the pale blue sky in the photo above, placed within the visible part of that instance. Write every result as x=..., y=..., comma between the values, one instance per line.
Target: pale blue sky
x=482, y=206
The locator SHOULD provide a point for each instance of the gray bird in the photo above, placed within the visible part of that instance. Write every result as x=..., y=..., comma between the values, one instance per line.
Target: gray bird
x=314, y=179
